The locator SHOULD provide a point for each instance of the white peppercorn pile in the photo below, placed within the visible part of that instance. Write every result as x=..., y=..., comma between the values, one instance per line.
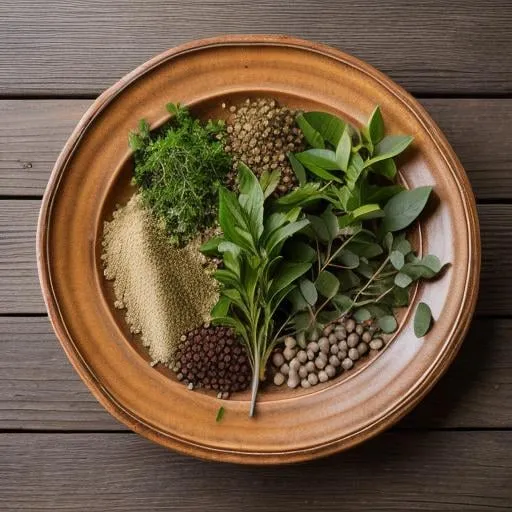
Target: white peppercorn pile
x=260, y=133
x=212, y=358
x=340, y=346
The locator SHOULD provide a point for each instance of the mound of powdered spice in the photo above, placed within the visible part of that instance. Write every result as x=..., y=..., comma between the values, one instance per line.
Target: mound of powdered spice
x=260, y=134
x=166, y=291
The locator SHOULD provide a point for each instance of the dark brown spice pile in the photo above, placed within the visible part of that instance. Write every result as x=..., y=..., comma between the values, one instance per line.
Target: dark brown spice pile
x=260, y=133
x=213, y=358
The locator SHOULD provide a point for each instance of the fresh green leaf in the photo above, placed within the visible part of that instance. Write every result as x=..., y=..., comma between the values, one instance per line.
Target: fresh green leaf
x=321, y=173
x=432, y=262
x=348, y=280
x=347, y=258
x=282, y=233
x=404, y=208
x=343, y=151
x=221, y=308
x=366, y=212
x=389, y=147
x=343, y=302
x=331, y=223
x=297, y=300
x=387, y=324
x=319, y=228
x=211, y=247
x=251, y=199
x=418, y=271
x=296, y=250
x=327, y=317
x=381, y=195
x=327, y=284
x=422, y=320
x=397, y=259
x=220, y=414
x=302, y=195
x=376, y=126
x=354, y=170
x=310, y=134
x=388, y=241
x=402, y=280
x=269, y=182
x=308, y=291
x=402, y=245
x=327, y=125
x=302, y=321
x=386, y=168
x=324, y=158
x=298, y=169
x=378, y=310
x=361, y=315
x=286, y=274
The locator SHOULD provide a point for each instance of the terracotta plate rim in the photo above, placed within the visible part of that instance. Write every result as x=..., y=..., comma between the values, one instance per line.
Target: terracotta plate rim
x=409, y=400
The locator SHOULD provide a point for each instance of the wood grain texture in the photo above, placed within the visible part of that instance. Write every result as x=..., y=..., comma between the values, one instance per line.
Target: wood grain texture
x=39, y=390
x=20, y=292
x=57, y=47
x=34, y=131
x=441, y=471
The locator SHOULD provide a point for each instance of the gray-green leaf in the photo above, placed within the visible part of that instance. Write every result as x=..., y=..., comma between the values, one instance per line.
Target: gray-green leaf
x=376, y=126
x=402, y=280
x=388, y=147
x=388, y=324
x=397, y=259
x=308, y=291
x=422, y=320
x=327, y=125
x=298, y=169
x=404, y=208
x=327, y=284
x=343, y=151
x=324, y=158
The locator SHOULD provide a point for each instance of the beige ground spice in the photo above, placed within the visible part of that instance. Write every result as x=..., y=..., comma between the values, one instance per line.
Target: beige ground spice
x=166, y=291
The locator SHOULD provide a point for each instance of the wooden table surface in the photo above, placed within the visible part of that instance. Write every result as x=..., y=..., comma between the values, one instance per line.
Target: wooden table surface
x=60, y=451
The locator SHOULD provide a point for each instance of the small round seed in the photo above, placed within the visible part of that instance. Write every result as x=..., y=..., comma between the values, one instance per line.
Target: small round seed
x=290, y=342
x=324, y=345
x=310, y=354
x=289, y=353
x=359, y=329
x=334, y=349
x=305, y=383
x=334, y=361
x=328, y=329
x=343, y=345
x=285, y=369
x=278, y=359
x=322, y=376
x=313, y=345
x=293, y=379
x=342, y=354
x=332, y=338
x=303, y=373
x=279, y=379
x=353, y=340
x=376, y=344
x=310, y=366
x=340, y=332
x=366, y=337
x=353, y=354
x=362, y=348
x=313, y=379
x=302, y=356
x=320, y=363
x=347, y=363
x=294, y=364
x=330, y=370
x=350, y=325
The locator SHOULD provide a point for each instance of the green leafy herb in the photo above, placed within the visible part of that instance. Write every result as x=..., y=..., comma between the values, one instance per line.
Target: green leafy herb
x=256, y=279
x=388, y=324
x=220, y=414
x=179, y=170
x=422, y=320
x=404, y=208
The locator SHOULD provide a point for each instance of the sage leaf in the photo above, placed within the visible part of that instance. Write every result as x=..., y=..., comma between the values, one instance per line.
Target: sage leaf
x=303, y=195
x=354, y=170
x=298, y=169
x=422, y=320
x=327, y=125
x=342, y=302
x=348, y=280
x=418, y=271
x=397, y=259
x=326, y=317
x=402, y=245
x=381, y=195
x=282, y=233
x=308, y=291
x=343, y=151
x=376, y=126
x=324, y=158
x=322, y=173
x=251, y=198
x=432, y=262
x=362, y=315
x=331, y=223
x=348, y=259
x=287, y=273
x=327, y=284
x=388, y=324
x=269, y=182
x=367, y=211
x=310, y=134
x=320, y=229
x=402, y=280
x=388, y=241
x=389, y=147
x=297, y=300
x=295, y=250
x=386, y=168
x=404, y=208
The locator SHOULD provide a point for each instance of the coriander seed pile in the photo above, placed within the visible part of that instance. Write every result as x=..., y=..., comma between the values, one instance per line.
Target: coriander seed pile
x=260, y=134
x=165, y=290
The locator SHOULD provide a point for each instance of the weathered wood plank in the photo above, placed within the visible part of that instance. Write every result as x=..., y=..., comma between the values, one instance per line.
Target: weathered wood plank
x=404, y=471
x=19, y=286
x=34, y=131
x=81, y=47
x=39, y=390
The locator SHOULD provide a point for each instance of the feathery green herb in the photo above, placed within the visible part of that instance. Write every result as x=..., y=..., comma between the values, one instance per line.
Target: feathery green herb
x=179, y=170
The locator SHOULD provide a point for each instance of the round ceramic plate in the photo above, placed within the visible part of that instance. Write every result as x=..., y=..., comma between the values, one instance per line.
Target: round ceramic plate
x=93, y=174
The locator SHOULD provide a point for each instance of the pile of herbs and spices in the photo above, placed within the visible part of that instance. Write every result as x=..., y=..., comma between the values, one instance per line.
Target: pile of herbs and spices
x=272, y=246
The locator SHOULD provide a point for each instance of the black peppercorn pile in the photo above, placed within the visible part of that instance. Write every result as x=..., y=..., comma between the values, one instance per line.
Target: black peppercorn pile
x=213, y=358
x=260, y=133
